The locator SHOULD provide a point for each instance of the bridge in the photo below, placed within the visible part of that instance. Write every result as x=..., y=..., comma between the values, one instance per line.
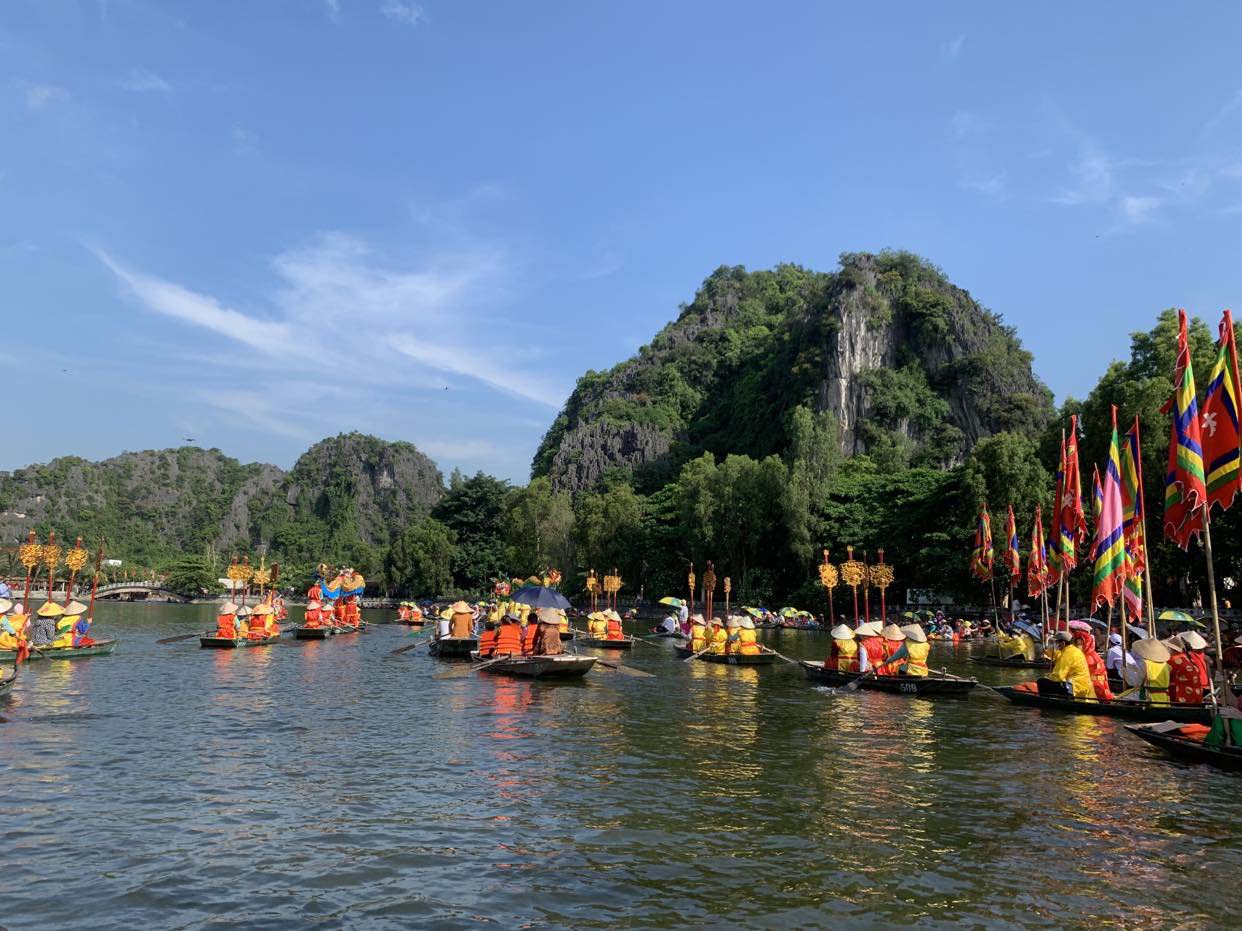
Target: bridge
x=113, y=591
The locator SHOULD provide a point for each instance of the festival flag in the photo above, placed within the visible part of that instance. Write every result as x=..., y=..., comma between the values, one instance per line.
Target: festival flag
x=1109, y=551
x=1185, y=491
x=1069, y=522
x=1013, y=558
x=982, y=555
x=1219, y=422
x=1097, y=494
x=1132, y=498
x=1037, y=574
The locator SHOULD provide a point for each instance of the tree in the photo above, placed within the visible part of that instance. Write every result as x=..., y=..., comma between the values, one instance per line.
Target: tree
x=190, y=575
x=539, y=525
x=419, y=561
x=608, y=529
x=474, y=509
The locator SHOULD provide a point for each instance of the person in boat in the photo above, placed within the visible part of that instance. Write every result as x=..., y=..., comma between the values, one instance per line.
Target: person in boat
x=612, y=629
x=1116, y=660
x=1189, y=681
x=668, y=625
x=487, y=639
x=597, y=625
x=461, y=621
x=683, y=618
x=916, y=649
x=843, y=654
x=353, y=613
x=548, y=633
x=747, y=638
x=403, y=611
x=717, y=636
x=77, y=625
x=733, y=627
x=509, y=634
x=870, y=646
x=1095, y=663
x=529, y=630
x=43, y=631
x=1069, y=676
x=1016, y=645
x=1149, y=676
x=13, y=627
x=339, y=614
x=894, y=641
x=243, y=621
x=314, y=615
x=261, y=622
x=226, y=621
x=698, y=634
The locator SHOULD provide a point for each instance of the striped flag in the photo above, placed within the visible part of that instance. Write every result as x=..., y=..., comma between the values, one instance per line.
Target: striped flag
x=1219, y=422
x=1037, y=574
x=1109, y=551
x=1069, y=523
x=982, y=555
x=1013, y=559
x=1133, y=515
x=1185, y=491
x=1097, y=494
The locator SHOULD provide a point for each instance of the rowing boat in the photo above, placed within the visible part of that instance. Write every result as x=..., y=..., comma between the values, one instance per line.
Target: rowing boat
x=411, y=622
x=1191, y=749
x=666, y=635
x=603, y=643
x=453, y=647
x=347, y=629
x=228, y=643
x=766, y=658
x=98, y=648
x=562, y=666
x=1011, y=662
x=313, y=633
x=1117, y=708
x=568, y=635
x=933, y=683
x=6, y=683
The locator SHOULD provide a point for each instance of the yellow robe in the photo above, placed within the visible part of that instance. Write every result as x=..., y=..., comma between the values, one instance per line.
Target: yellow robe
x=1071, y=666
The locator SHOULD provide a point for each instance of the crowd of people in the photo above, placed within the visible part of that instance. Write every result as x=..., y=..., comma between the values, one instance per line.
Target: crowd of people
x=54, y=626
x=256, y=622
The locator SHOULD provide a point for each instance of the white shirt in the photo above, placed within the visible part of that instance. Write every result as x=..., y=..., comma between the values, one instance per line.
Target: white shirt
x=668, y=624
x=683, y=613
x=442, y=627
x=1112, y=659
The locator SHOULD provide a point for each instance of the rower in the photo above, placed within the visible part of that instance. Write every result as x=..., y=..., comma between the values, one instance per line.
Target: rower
x=487, y=639
x=13, y=627
x=1188, y=672
x=1150, y=675
x=314, y=614
x=43, y=631
x=339, y=614
x=916, y=649
x=1116, y=659
x=871, y=646
x=259, y=622
x=562, y=622
x=353, y=613
x=894, y=652
x=529, y=629
x=509, y=635
x=226, y=621
x=698, y=634
x=843, y=654
x=1069, y=676
x=668, y=625
x=613, y=627
x=1095, y=664
x=403, y=612
x=748, y=640
x=461, y=621
x=733, y=630
x=548, y=633
x=718, y=636
x=243, y=621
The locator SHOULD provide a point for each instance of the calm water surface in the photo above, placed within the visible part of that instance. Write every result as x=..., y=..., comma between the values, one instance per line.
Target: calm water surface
x=328, y=785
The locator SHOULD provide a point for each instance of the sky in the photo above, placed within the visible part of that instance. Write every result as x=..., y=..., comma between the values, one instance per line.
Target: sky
x=256, y=224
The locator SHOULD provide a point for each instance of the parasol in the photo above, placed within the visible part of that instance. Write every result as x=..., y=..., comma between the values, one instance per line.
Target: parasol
x=539, y=597
x=672, y=602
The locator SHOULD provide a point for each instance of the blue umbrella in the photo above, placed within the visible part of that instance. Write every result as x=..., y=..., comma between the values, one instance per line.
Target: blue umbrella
x=539, y=597
x=1030, y=629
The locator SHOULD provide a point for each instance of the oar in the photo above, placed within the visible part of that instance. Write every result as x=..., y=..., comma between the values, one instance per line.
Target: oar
x=473, y=667
x=619, y=667
x=852, y=685
x=178, y=639
x=410, y=646
x=792, y=662
x=698, y=654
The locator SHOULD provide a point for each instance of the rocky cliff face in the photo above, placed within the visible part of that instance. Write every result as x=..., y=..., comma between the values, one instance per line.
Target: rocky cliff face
x=912, y=368
x=187, y=499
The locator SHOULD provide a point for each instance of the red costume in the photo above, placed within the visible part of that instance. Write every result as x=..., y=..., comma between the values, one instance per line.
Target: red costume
x=614, y=630
x=1188, y=678
x=1095, y=665
x=876, y=652
x=313, y=615
x=835, y=656
x=528, y=635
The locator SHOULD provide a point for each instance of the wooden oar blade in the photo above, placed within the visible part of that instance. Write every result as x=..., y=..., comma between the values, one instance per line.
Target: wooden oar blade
x=178, y=639
x=624, y=670
x=404, y=649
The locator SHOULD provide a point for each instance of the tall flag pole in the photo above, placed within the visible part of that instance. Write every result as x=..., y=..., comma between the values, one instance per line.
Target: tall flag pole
x=1070, y=522
x=1136, y=529
x=1055, y=566
x=1186, y=510
x=1037, y=575
x=1013, y=559
x=982, y=556
x=1109, y=549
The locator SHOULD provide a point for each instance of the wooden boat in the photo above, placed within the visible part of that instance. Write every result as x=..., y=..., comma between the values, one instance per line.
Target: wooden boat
x=567, y=636
x=766, y=658
x=209, y=641
x=1011, y=663
x=933, y=683
x=453, y=647
x=412, y=622
x=98, y=648
x=1189, y=749
x=666, y=635
x=1118, y=708
x=6, y=683
x=313, y=633
x=564, y=666
x=347, y=629
x=602, y=643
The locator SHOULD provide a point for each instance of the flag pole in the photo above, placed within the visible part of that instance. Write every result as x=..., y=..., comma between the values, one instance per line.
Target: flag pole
x=1211, y=581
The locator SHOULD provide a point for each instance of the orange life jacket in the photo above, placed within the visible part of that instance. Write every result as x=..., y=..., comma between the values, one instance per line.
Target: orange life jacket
x=508, y=639
x=226, y=626
x=614, y=630
x=338, y=613
x=876, y=654
x=403, y=613
x=528, y=637
x=312, y=617
x=487, y=642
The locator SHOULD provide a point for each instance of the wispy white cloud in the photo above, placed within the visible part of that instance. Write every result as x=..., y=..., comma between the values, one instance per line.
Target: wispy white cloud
x=332, y=8
x=402, y=11
x=992, y=185
x=1137, y=209
x=39, y=96
x=487, y=365
x=243, y=140
x=142, y=81
x=1093, y=173
x=953, y=47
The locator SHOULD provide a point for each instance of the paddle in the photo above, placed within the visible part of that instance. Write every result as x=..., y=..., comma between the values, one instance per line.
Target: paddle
x=410, y=646
x=461, y=673
x=619, y=667
x=178, y=639
x=696, y=655
x=792, y=662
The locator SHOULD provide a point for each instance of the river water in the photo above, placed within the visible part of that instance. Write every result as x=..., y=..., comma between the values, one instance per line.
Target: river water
x=329, y=785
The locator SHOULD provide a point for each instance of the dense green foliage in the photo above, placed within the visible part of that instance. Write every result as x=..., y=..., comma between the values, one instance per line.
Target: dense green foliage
x=420, y=560
x=473, y=508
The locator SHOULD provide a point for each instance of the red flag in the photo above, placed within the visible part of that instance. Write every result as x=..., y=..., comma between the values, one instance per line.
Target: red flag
x=1013, y=559
x=1219, y=422
x=982, y=554
x=1185, y=492
x=1037, y=574
x=1069, y=523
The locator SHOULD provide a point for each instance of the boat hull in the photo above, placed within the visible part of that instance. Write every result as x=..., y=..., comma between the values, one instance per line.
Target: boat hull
x=1011, y=663
x=1188, y=749
x=731, y=659
x=565, y=666
x=602, y=643
x=923, y=686
x=6, y=684
x=99, y=648
x=1129, y=710
x=225, y=643
x=453, y=647
x=312, y=633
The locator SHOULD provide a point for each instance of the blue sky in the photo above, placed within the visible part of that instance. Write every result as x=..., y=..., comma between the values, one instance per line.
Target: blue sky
x=260, y=223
